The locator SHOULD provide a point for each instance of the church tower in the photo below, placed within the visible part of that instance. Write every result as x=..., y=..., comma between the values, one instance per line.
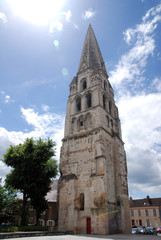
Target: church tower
x=93, y=190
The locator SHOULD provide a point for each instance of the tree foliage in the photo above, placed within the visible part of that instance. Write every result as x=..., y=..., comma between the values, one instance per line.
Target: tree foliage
x=8, y=204
x=33, y=167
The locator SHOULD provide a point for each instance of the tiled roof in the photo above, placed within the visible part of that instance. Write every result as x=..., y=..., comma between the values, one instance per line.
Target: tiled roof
x=145, y=202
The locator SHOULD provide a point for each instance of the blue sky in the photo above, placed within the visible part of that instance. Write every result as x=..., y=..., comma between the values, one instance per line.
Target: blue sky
x=40, y=49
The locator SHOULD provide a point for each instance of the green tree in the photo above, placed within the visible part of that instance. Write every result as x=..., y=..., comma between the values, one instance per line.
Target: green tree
x=9, y=204
x=33, y=168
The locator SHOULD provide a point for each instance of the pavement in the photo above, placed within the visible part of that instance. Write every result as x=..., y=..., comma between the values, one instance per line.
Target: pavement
x=94, y=237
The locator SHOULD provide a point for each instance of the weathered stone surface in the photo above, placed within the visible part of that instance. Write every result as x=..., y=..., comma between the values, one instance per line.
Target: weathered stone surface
x=93, y=190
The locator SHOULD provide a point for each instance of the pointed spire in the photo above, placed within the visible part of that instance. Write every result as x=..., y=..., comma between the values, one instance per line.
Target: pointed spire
x=91, y=55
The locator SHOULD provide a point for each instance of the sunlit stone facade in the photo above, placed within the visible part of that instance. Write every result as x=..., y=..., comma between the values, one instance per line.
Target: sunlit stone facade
x=93, y=190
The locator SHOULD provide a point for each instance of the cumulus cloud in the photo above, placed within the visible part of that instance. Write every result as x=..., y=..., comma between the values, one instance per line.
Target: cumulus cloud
x=144, y=173
x=88, y=14
x=139, y=104
x=3, y=17
x=130, y=68
x=141, y=121
x=57, y=24
x=141, y=128
x=156, y=83
x=44, y=126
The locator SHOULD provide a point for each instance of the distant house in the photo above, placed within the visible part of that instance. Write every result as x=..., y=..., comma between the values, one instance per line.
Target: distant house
x=48, y=217
x=145, y=212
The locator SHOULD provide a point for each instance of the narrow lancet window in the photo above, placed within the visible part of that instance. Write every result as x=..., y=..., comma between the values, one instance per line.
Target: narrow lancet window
x=78, y=104
x=105, y=85
x=104, y=102
x=89, y=100
x=110, y=107
x=111, y=123
x=84, y=84
x=107, y=117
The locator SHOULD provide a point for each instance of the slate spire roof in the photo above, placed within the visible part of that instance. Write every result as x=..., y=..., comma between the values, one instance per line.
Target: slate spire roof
x=91, y=55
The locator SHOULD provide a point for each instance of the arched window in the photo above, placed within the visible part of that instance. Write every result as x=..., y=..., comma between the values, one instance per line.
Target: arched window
x=104, y=102
x=110, y=107
x=105, y=85
x=107, y=117
x=89, y=100
x=80, y=123
x=78, y=104
x=111, y=122
x=84, y=84
x=81, y=199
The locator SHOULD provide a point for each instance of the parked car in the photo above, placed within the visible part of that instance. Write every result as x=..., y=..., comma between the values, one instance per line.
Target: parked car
x=158, y=229
x=141, y=229
x=150, y=230
x=134, y=230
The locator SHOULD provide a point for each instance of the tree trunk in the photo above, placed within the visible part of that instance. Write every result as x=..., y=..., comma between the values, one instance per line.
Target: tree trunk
x=24, y=211
x=37, y=217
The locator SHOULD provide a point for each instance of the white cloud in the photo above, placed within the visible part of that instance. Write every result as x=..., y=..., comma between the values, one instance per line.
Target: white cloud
x=6, y=98
x=88, y=14
x=68, y=15
x=141, y=128
x=156, y=83
x=55, y=26
x=131, y=66
x=46, y=125
x=3, y=17
x=139, y=104
x=45, y=107
x=141, y=123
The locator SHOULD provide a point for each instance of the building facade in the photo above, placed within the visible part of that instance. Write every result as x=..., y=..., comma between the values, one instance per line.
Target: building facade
x=50, y=216
x=145, y=212
x=93, y=190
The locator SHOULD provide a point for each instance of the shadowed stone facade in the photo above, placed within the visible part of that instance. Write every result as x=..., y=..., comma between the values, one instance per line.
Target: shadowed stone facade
x=93, y=191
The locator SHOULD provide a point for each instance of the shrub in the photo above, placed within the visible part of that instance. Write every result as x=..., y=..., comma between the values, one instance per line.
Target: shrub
x=32, y=228
x=23, y=228
x=8, y=229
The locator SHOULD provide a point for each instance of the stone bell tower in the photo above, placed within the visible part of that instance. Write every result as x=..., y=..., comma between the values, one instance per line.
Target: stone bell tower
x=93, y=190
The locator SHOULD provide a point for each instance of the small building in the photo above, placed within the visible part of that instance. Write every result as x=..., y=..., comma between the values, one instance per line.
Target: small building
x=145, y=212
x=48, y=217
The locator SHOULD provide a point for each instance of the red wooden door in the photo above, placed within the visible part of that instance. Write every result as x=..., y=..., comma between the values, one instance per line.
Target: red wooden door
x=88, y=224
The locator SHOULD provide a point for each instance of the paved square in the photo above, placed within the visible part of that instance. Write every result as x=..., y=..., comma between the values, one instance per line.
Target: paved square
x=94, y=237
